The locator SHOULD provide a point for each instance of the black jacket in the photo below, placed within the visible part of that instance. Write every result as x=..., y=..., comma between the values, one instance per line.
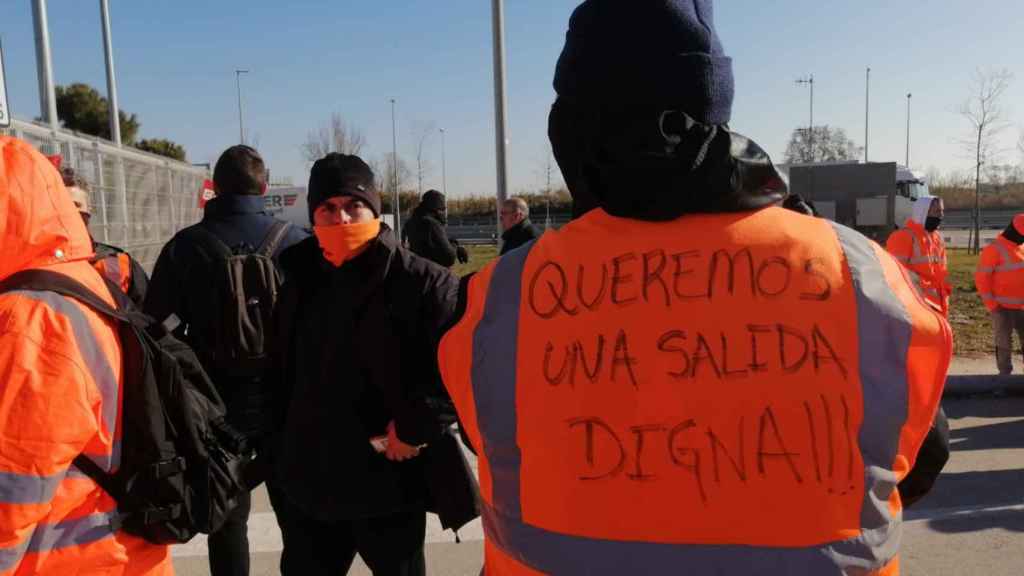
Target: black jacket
x=427, y=238
x=355, y=348
x=239, y=222
x=519, y=235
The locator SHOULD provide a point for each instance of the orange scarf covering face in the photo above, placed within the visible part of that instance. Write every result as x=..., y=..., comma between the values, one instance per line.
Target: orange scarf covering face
x=343, y=242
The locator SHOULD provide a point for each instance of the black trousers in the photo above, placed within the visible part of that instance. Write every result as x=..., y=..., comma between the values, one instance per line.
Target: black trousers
x=390, y=545
x=229, y=546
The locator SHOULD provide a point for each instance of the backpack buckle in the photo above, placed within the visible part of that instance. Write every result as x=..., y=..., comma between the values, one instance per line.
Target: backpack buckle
x=168, y=468
x=160, y=515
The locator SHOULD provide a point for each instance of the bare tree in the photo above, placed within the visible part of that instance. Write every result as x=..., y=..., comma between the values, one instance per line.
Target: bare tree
x=334, y=136
x=984, y=112
x=421, y=134
x=830, y=145
x=384, y=172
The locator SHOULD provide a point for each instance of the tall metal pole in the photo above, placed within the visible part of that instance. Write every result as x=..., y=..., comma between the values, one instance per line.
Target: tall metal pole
x=500, y=106
x=810, y=130
x=812, y=117
x=108, y=50
x=444, y=173
x=241, y=123
x=867, y=114
x=394, y=172
x=44, y=66
x=909, y=96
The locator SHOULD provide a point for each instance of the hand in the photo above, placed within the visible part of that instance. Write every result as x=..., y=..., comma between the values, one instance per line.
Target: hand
x=399, y=451
x=461, y=254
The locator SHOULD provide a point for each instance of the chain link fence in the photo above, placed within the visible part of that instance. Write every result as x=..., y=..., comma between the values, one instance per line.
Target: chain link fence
x=139, y=200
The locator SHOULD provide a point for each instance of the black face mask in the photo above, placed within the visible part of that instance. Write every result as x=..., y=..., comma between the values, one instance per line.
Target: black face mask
x=932, y=223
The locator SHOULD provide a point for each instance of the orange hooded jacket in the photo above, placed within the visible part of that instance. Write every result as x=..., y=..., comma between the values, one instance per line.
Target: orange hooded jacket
x=60, y=389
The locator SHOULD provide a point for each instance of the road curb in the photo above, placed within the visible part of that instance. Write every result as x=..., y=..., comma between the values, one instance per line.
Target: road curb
x=972, y=384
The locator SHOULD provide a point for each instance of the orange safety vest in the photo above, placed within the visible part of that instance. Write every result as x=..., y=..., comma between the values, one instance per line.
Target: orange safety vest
x=924, y=253
x=59, y=394
x=1000, y=275
x=720, y=394
x=117, y=268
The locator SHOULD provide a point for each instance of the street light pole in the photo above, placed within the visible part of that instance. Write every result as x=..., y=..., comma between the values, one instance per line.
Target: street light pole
x=394, y=173
x=909, y=96
x=444, y=173
x=810, y=134
x=44, y=64
x=500, y=105
x=241, y=124
x=867, y=114
x=108, y=49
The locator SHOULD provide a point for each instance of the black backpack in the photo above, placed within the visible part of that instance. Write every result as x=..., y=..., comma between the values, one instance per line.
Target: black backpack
x=182, y=465
x=231, y=318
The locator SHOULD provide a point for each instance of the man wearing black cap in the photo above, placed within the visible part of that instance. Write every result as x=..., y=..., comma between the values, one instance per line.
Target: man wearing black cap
x=426, y=235
x=200, y=279
x=352, y=380
x=687, y=378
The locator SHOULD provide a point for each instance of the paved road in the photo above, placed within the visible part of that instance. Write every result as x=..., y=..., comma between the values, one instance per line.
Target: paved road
x=972, y=522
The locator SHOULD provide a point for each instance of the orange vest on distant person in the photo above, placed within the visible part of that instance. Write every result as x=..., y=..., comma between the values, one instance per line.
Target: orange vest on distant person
x=719, y=394
x=1000, y=274
x=924, y=253
x=117, y=268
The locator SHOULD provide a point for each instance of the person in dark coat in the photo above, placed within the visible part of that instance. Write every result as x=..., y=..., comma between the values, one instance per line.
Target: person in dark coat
x=355, y=385
x=515, y=221
x=181, y=288
x=426, y=235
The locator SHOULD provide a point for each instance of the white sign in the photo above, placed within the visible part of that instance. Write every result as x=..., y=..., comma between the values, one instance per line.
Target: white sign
x=288, y=204
x=5, y=111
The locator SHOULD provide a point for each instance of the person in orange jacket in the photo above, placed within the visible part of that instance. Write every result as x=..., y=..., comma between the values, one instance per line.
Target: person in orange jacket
x=686, y=378
x=59, y=391
x=111, y=262
x=1000, y=282
x=920, y=247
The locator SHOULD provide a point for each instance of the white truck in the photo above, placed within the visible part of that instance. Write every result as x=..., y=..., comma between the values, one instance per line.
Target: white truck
x=875, y=198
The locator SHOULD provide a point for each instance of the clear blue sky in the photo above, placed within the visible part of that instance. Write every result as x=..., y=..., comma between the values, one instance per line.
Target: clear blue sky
x=175, y=63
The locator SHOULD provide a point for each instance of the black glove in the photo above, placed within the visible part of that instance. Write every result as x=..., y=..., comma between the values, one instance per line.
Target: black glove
x=461, y=254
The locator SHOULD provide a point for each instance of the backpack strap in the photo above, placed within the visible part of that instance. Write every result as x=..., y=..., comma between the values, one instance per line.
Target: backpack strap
x=49, y=281
x=208, y=242
x=274, y=238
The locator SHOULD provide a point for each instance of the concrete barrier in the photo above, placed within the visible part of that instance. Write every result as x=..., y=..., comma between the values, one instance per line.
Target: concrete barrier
x=971, y=384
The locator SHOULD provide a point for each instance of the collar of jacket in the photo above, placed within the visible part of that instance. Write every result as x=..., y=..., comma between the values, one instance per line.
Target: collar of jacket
x=520, y=226
x=234, y=204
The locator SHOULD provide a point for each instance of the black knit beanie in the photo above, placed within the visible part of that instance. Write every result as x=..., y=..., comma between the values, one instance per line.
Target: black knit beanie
x=342, y=175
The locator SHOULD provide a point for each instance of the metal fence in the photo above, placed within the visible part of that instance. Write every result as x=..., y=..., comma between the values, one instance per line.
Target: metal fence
x=139, y=200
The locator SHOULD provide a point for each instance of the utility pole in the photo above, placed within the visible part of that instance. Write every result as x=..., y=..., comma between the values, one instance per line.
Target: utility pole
x=809, y=81
x=44, y=66
x=444, y=173
x=394, y=173
x=867, y=114
x=241, y=123
x=500, y=105
x=909, y=96
x=108, y=49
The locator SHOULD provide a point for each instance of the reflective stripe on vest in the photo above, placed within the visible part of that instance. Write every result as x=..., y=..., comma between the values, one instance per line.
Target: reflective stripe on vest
x=96, y=361
x=1007, y=266
x=98, y=365
x=885, y=407
x=59, y=535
